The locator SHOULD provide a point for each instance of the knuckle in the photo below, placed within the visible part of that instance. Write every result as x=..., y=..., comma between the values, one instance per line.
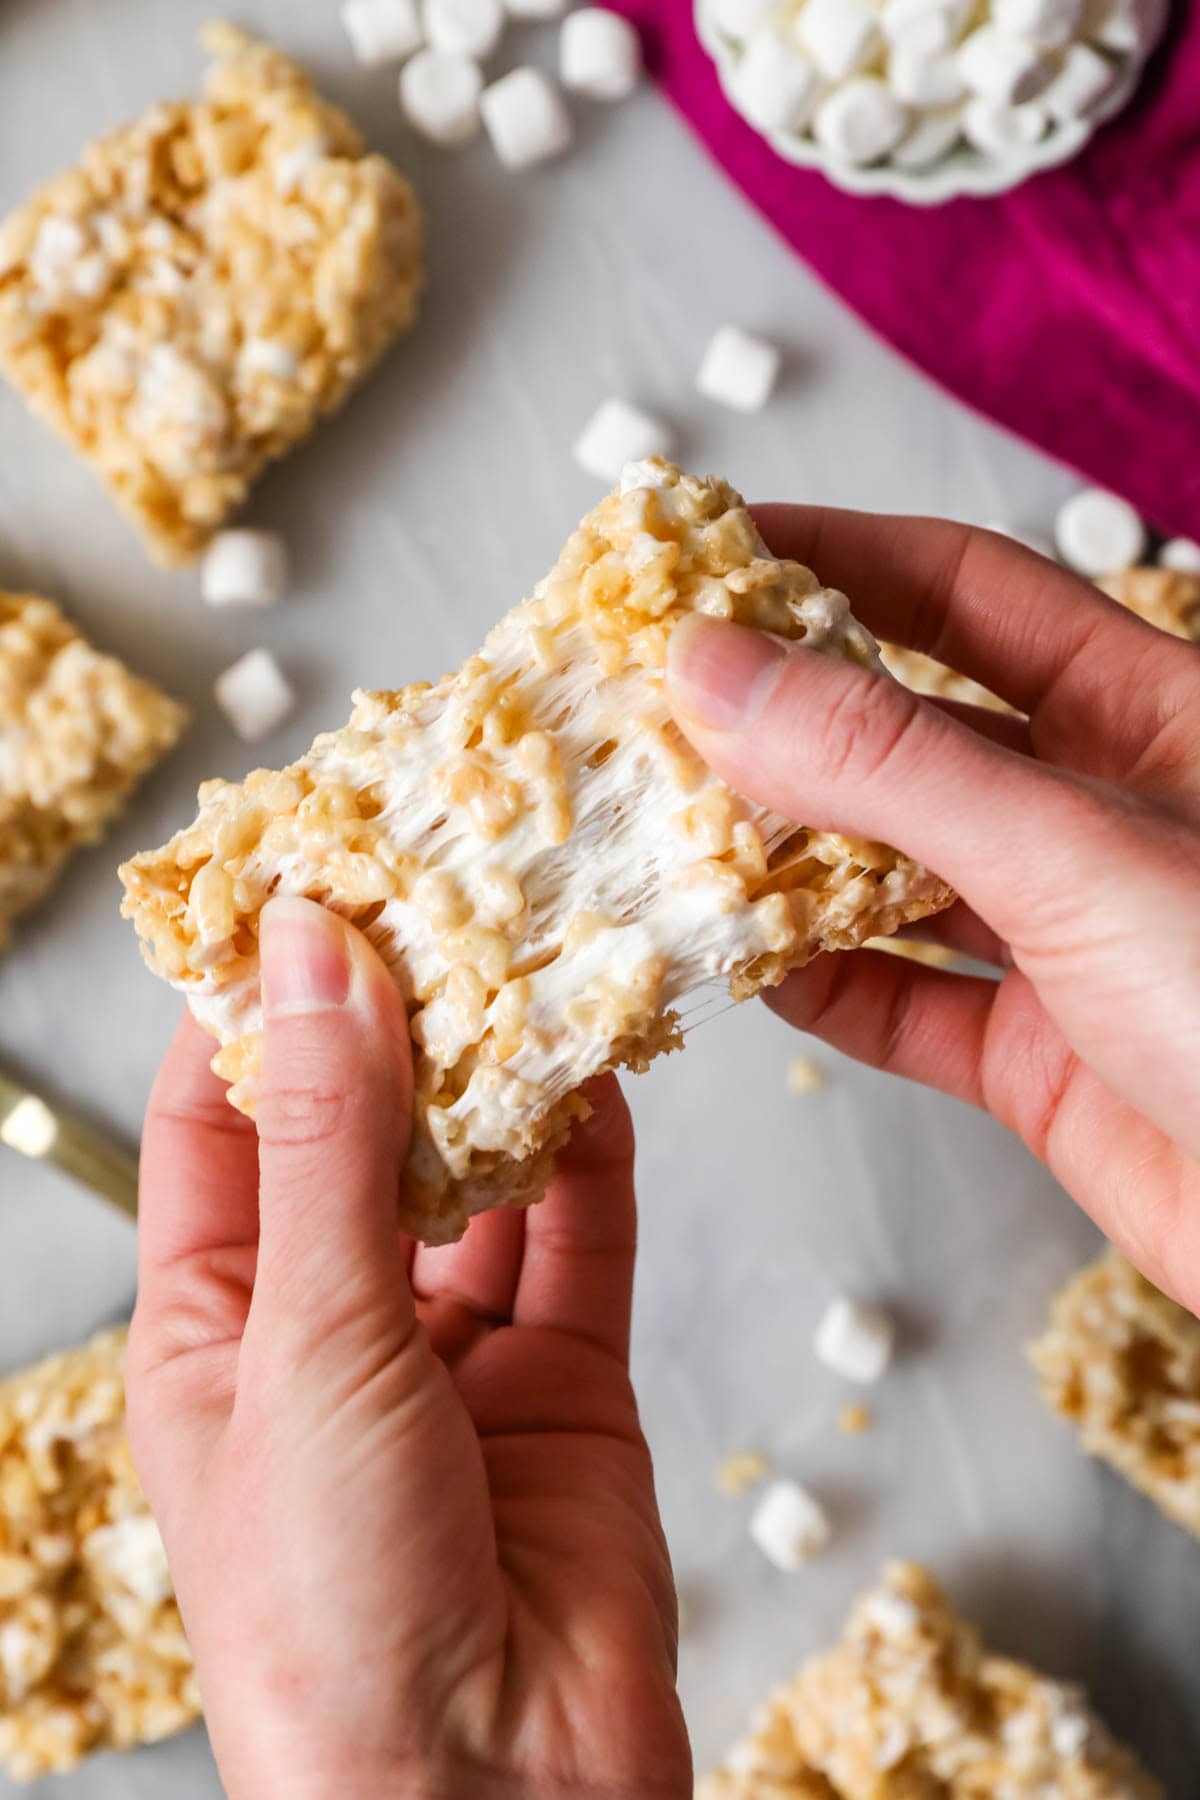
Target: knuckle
x=868, y=729
x=305, y=1117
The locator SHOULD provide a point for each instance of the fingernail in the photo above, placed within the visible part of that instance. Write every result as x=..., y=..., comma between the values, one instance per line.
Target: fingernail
x=723, y=675
x=305, y=958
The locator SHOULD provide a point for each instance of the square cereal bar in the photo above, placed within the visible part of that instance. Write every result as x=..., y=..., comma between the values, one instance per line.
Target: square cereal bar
x=909, y=1705
x=1122, y=1362
x=77, y=730
x=209, y=280
x=92, y=1651
x=547, y=868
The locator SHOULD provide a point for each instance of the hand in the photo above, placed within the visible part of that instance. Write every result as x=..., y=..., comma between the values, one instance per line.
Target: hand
x=1072, y=835
x=404, y=1492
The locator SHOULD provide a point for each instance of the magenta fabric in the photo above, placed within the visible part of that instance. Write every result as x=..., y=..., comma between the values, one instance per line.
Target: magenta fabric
x=1068, y=309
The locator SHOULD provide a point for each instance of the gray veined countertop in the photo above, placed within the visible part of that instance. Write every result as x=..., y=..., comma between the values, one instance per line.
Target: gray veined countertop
x=434, y=501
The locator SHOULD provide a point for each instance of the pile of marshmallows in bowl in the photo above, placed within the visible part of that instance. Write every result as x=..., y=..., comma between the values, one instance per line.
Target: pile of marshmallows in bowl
x=907, y=81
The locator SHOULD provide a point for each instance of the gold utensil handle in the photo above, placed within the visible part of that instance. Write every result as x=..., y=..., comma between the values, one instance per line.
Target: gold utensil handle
x=41, y=1131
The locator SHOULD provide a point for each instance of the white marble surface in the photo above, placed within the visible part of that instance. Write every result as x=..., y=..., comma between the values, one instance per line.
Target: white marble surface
x=438, y=497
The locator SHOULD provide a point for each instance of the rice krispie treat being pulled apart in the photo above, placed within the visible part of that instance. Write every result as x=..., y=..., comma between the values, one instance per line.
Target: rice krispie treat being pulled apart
x=209, y=280
x=77, y=730
x=92, y=1651
x=545, y=865
x=909, y=1705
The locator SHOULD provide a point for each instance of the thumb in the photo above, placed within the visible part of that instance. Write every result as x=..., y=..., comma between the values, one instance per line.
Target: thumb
x=334, y=1121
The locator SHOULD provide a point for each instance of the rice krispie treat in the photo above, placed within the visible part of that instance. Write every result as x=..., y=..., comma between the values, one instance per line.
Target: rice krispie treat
x=92, y=1651
x=209, y=280
x=545, y=865
x=1122, y=1362
x=77, y=730
x=910, y=1706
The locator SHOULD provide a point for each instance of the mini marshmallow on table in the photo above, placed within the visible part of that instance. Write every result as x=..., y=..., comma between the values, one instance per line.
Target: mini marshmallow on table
x=775, y=87
x=1099, y=534
x=382, y=31
x=525, y=118
x=464, y=27
x=255, y=695
x=242, y=567
x=739, y=370
x=855, y=1341
x=440, y=95
x=616, y=434
x=599, y=54
x=789, y=1526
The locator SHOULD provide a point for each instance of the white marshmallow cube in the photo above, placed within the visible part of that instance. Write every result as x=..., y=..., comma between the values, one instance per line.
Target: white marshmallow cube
x=255, y=695
x=1099, y=534
x=775, y=87
x=464, y=27
x=928, y=25
x=996, y=129
x=861, y=122
x=599, y=54
x=616, y=434
x=536, y=9
x=789, y=1526
x=1005, y=70
x=929, y=140
x=439, y=96
x=382, y=31
x=841, y=36
x=739, y=370
x=244, y=568
x=525, y=118
x=1051, y=23
x=855, y=1341
x=1083, y=79
x=738, y=19
x=1182, y=555
x=1124, y=26
x=925, y=78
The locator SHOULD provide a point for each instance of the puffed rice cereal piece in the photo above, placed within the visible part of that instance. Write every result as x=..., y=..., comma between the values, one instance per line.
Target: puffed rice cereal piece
x=1122, y=1363
x=186, y=303
x=77, y=732
x=544, y=864
x=909, y=1704
x=92, y=1650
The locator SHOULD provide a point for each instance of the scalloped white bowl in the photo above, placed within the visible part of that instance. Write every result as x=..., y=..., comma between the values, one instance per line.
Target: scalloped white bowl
x=963, y=171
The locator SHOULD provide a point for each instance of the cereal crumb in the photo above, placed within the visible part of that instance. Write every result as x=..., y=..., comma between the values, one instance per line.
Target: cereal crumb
x=738, y=1473
x=852, y=1421
x=804, y=1076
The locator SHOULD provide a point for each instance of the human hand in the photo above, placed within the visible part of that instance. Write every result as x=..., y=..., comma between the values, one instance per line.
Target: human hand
x=404, y=1492
x=1072, y=835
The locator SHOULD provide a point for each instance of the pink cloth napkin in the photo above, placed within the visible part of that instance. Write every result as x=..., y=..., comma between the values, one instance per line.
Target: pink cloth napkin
x=1068, y=309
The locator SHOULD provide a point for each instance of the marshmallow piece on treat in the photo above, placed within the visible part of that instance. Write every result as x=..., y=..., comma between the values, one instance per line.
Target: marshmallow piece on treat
x=739, y=370
x=382, y=31
x=773, y=86
x=995, y=129
x=1182, y=555
x=925, y=78
x=929, y=140
x=617, y=434
x=855, y=1341
x=525, y=118
x=1006, y=70
x=789, y=1526
x=1099, y=534
x=255, y=695
x=1083, y=79
x=1051, y=23
x=739, y=19
x=841, y=36
x=928, y=25
x=244, y=568
x=599, y=54
x=464, y=27
x=860, y=122
x=439, y=96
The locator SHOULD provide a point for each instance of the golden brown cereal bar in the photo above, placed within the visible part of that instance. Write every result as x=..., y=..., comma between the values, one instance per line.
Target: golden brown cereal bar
x=1122, y=1362
x=209, y=280
x=92, y=1651
x=546, y=866
x=77, y=730
x=909, y=1706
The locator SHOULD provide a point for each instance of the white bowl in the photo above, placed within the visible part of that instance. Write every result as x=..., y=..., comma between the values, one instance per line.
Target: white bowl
x=964, y=170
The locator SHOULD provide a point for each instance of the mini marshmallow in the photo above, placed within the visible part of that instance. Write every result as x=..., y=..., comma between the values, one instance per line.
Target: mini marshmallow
x=525, y=118
x=599, y=54
x=934, y=137
x=789, y=1526
x=996, y=130
x=254, y=694
x=925, y=25
x=382, y=31
x=1050, y=23
x=775, y=87
x=244, y=568
x=924, y=78
x=804, y=1076
x=1083, y=79
x=536, y=9
x=860, y=122
x=738, y=19
x=1182, y=555
x=269, y=356
x=464, y=27
x=841, y=36
x=855, y=1341
x=1099, y=534
x=1124, y=26
x=439, y=96
x=1005, y=70
x=616, y=434
x=739, y=370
